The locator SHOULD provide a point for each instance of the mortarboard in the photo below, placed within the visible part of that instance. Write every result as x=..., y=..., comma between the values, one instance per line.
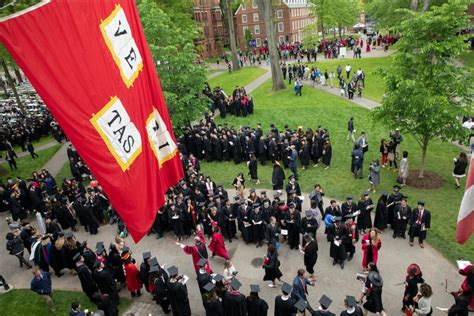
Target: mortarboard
x=384, y=193
x=209, y=287
x=422, y=203
x=69, y=235
x=235, y=284
x=96, y=264
x=202, y=262
x=218, y=278
x=325, y=302
x=263, y=192
x=308, y=213
x=349, y=197
x=153, y=268
x=301, y=305
x=172, y=271
x=366, y=193
x=254, y=288
x=396, y=187
x=201, y=204
x=153, y=261
x=212, y=204
x=252, y=190
x=255, y=205
x=292, y=204
x=287, y=288
x=99, y=247
x=351, y=301
x=146, y=255
x=76, y=256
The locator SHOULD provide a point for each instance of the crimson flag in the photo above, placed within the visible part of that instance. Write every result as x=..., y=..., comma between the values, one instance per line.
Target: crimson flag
x=465, y=225
x=90, y=63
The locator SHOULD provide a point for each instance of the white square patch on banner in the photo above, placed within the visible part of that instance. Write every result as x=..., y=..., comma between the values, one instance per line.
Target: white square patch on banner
x=160, y=138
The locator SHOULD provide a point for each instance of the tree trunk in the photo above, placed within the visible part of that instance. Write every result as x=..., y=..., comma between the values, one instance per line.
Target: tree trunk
x=340, y=31
x=233, y=45
x=424, y=149
x=266, y=11
x=322, y=27
x=12, y=85
x=414, y=5
x=4, y=87
x=426, y=5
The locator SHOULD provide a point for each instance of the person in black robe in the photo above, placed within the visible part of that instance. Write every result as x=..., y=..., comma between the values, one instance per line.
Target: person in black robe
x=293, y=225
x=236, y=150
x=85, y=277
x=105, y=282
x=255, y=305
x=253, y=166
x=258, y=224
x=327, y=154
x=309, y=224
x=229, y=213
x=401, y=216
x=116, y=265
x=245, y=225
x=212, y=304
x=285, y=304
x=262, y=151
x=233, y=302
x=337, y=249
x=310, y=250
x=364, y=221
x=380, y=221
x=392, y=201
x=203, y=277
x=351, y=307
x=105, y=304
x=304, y=154
x=89, y=256
x=144, y=270
x=160, y=281
x=278, y=176
x=271, y=264
x=178, y=294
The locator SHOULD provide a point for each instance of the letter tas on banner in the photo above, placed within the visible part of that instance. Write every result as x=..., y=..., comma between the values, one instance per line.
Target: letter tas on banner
x=118, y=37
x=160, y=139
x=118, y=132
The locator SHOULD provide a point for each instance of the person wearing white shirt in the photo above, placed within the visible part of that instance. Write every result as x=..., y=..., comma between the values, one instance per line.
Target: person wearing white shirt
x=229, y=271
x=348, y=70
x=423, y=300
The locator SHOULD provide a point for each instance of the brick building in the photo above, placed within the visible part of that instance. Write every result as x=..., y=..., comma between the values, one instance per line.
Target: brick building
x=214, y=36
x=291, y=16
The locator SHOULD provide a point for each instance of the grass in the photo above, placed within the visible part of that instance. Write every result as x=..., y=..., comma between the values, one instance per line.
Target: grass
x=25, y=302
x=65, y=171
x=26, y=164
x=315, y=108
x=43, y=140
x=467, y=59
x=374, y=85
x=227, y=81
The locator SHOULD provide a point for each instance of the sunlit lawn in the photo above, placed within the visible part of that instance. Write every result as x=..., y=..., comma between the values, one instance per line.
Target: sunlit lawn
x=227, y=81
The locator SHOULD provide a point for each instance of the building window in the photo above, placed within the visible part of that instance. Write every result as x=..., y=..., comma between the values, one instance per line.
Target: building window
x=281, y=39
x=258, y=42
x=255, y=17
x=279, y=14
x=244, y=18
x=281, y=27
x=256, y=29
x=254, y=4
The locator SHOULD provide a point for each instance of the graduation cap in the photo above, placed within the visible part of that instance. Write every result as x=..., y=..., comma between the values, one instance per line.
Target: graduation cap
x=292, y=204
x=281, y=203
x=218, y=278
x=351, y=301
x=384, y=193
x=366, y=193
x=153, y=262
x=301, y=305
x=201, y=204
x=172, y=271
x=276, y=196
x=212, y=204
x=96, y=264
x=202, y=262
x=209, y=287
x=254, y=288
x=99, y=247
x=252, y=190
x=235, y=284
x=153, y=268
x=76, y=257
x=325, y=302
x=255, y=205
x=69, y=235
x=422, y=203
x=146, y=255
x=263, y=192
x=396, y=187
x=286, y=288
x=308, y=213
x=349, y=197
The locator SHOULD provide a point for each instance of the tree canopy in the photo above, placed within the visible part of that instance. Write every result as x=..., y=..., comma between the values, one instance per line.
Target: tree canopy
x=170, y=33
x=428, y=92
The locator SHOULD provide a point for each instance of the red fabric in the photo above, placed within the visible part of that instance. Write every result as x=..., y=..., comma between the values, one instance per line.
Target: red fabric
x=464, y=285
x=465, y=223
x=217, y=246
x=365, y=249
x=132, y=276
x=192, y=250
x=61, y=49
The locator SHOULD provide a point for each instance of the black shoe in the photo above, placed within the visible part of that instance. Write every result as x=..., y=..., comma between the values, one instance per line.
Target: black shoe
x=334, y=262
x=350, y=257
x=394, y=236
x=342, y=265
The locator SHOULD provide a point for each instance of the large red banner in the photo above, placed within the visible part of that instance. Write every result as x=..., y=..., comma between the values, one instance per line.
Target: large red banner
x=90, y=62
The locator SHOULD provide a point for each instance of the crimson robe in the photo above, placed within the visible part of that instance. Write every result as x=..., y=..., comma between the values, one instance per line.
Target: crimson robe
x=217, y=246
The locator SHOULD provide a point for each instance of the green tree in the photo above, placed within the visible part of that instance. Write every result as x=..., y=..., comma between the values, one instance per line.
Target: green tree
x=170, y=33
x=6, y=60
x=228, y=14
x=335, y=14
x=427, y=90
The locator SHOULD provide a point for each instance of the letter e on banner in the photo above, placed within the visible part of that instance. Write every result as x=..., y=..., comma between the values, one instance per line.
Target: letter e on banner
x=160, y=139
x=118, y=37
x=118, y=132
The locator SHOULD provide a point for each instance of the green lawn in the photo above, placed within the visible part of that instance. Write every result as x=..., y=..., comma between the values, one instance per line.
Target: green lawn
x=227, y=81
x=43, y=140
x=26, y=164
x=65, y=171
x=319, y=108
x=374, y=85
x=24, y=302
x=468, y=59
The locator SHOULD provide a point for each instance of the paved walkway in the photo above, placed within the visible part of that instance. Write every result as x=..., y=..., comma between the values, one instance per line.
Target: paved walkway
x=27, y=153
x=55, y=164
x=395, y=255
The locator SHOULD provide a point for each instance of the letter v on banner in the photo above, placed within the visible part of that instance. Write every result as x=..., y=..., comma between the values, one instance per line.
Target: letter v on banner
x=92, y=67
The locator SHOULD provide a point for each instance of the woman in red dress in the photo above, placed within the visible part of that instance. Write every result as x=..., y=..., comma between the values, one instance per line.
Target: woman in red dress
x=371, y=244
x=132, y=274
x=217, y=246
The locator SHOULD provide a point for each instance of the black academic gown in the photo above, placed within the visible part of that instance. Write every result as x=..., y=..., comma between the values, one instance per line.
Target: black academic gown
x=337, y=252
x=256, y=307
x=234, y=304
x=357, y=312
x=285, y=307
x=87, y=282
x=178, y=296
x=106, y=284
x=214, y=308
x=323, y=313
